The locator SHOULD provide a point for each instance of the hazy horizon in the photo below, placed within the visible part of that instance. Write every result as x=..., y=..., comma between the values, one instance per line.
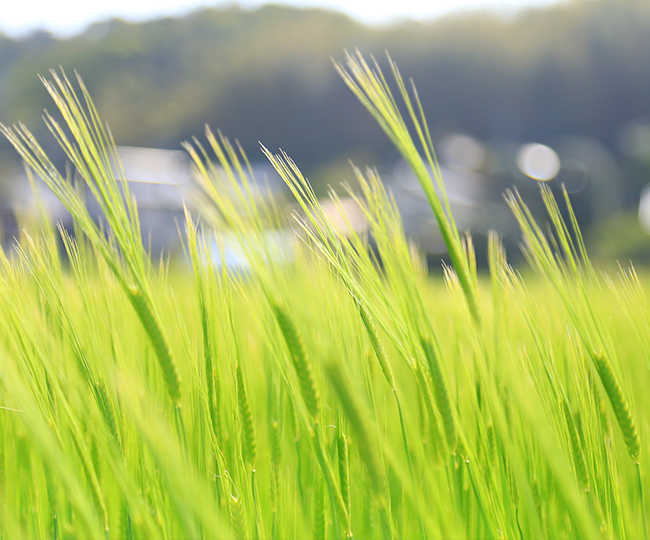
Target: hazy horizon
x=70, y=17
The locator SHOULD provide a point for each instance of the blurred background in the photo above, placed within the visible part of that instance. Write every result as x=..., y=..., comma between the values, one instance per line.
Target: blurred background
x=516, y=93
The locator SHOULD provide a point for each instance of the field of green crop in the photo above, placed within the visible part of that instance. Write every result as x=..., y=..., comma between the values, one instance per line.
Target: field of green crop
x=347, y=394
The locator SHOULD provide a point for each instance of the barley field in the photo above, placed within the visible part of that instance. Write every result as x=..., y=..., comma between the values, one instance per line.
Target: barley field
x=347, y=394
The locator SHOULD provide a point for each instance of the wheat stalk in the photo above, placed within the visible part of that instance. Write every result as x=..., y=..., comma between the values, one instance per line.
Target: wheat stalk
x=619, y=405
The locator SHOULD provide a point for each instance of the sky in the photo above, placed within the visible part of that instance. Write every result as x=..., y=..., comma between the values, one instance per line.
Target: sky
x=68, y=17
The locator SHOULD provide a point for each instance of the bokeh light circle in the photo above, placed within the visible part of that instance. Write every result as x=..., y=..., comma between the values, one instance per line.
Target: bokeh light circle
x=538, y=161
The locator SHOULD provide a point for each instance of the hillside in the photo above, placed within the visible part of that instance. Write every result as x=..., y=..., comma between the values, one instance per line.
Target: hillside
x=266, y=74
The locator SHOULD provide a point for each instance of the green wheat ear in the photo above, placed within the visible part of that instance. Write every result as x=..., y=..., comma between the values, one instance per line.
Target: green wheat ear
x=619, y=405
x=319, y=510
x=576, y=449
x=297, y=352
x=142, y=307
x=368, y=84
x=106, y=409
x=355, y=417
x=237, y=519
x=377, y=345
x=440, y=392
x=248, y=431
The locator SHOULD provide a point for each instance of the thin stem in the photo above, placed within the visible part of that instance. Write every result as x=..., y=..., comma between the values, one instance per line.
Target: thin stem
x=408, y=454
x=255, y=505
x=642, y=502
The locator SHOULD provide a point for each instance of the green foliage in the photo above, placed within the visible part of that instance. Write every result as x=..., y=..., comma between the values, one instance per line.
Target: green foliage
x=574, y=68
x=489, y=415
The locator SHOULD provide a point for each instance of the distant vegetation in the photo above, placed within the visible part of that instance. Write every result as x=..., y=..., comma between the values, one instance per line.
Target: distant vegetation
x=580, y=68
x=266, y=74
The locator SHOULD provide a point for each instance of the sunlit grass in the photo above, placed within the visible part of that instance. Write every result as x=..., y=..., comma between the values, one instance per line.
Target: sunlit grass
x=344, y=394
